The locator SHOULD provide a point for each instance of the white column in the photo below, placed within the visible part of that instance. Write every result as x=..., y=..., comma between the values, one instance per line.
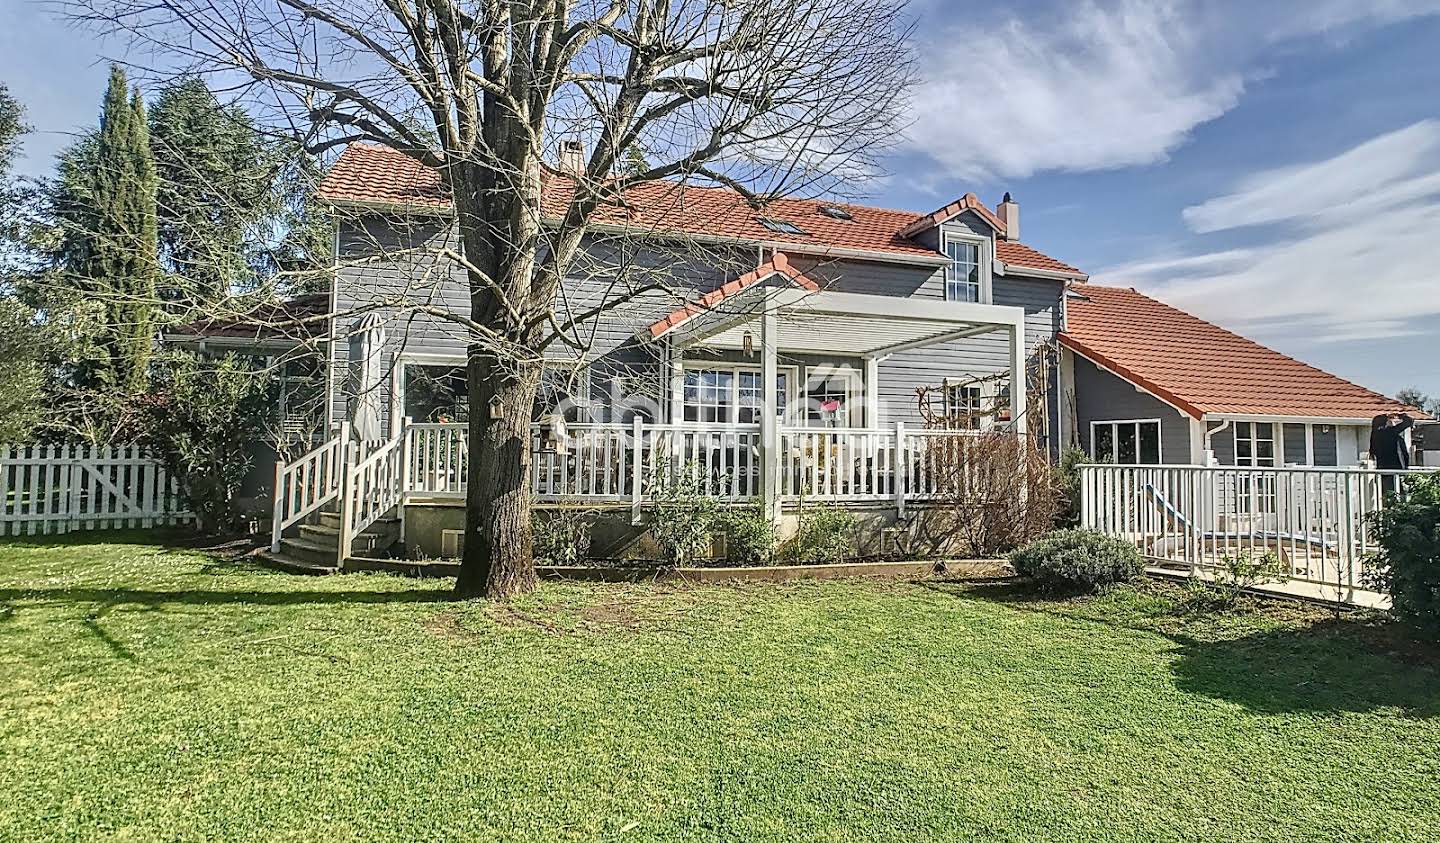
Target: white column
x=1017, y=375
x=675, y=366
x=769, y=440
x=872, y=392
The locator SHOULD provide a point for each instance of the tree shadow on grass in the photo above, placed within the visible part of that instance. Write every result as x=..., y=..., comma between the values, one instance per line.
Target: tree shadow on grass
x=1314, y=662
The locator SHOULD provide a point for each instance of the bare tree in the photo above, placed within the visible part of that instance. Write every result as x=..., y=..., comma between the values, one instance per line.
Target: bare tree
x=767, y=97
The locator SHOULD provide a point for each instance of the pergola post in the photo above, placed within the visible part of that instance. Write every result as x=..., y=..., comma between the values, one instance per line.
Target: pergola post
x=770, y=408
x=1017, y=376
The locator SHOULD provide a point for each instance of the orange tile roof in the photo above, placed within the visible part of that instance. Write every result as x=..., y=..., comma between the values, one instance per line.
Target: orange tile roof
x=377, y=175
x=1203, y=368
x=777, y=265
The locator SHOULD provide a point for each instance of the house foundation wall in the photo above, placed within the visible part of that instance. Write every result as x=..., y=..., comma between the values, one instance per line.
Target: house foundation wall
x=925, y=531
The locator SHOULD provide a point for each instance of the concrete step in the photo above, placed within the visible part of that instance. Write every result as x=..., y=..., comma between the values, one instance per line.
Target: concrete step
x=291, y=565
x=309, y=552
x=327, y=519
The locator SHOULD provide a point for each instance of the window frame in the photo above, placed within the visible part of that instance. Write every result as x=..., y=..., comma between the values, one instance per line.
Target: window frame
x=983, y=283
x=854, y=394
x=1115, y=425
x=790, y=374
x=984, y=422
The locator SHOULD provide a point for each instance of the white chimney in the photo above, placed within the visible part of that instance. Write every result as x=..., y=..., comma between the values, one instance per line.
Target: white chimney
x=1009, y=213
x=572, y=157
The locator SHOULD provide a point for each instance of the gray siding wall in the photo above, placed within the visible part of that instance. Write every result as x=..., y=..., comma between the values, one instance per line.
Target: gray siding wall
x=386, y=259
x=1101, y=396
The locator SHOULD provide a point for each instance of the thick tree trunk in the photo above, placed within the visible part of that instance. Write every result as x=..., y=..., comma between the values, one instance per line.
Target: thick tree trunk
x=497, y=562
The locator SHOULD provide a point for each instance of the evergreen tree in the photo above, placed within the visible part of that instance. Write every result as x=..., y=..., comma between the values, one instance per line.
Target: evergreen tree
x=118, y=265
x=214, y=194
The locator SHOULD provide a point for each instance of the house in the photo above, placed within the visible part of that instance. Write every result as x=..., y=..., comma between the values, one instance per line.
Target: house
x=1151, y=384
x=802, y=351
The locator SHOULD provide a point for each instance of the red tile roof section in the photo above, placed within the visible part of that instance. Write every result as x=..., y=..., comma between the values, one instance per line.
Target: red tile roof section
x=777, y=265
x=296, y=319
x=968, y=202
x=1203, y=368
x=376, y=175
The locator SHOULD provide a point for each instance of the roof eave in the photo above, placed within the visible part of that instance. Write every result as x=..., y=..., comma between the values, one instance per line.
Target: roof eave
x=1035, y=272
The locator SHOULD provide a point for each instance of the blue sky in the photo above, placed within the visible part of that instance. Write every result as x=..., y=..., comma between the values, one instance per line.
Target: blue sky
x=1271, y=166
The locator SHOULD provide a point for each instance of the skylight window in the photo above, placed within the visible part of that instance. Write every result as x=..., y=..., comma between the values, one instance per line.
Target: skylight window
x=835, y=213
x=782, y=226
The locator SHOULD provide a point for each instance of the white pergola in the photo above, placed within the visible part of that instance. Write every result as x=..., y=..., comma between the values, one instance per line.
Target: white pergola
x=796, y=320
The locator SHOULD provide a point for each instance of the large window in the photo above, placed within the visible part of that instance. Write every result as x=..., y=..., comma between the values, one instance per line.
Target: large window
x=1126, y=442
x=730, y=396
x=963, y=273
x=436, y=393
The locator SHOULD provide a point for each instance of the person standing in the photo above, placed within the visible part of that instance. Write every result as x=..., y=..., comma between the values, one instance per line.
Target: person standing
x=1388, y=447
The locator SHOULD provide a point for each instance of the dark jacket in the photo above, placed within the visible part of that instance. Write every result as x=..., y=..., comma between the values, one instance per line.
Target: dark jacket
x=1387, y=445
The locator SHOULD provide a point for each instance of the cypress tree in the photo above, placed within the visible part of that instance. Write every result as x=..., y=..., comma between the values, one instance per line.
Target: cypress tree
x=121, y=263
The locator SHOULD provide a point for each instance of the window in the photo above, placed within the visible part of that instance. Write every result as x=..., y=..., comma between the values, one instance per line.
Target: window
x=781, y=226
x=830, y=399
x=836, y=213
x=1255, y=448
x=965, y=404
x=1126, y=442
x=436, y=393
x=962, y=274
x=730, y=396
x=709, y=395
x=563, y=390
x=1255, y=444
x=751, y=398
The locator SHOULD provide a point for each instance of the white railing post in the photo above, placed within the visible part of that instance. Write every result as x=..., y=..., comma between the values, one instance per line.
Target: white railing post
x=902, y=470
x=278, y=499
x=637, y=442
x=348, y=453
x=403, y=492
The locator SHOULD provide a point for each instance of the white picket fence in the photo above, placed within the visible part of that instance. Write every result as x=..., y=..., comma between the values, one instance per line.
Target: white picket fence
x=48, y=489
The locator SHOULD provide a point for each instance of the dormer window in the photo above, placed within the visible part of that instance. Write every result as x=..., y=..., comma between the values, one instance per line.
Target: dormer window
x=782, y=226
x=835, y=213
x=965, y=276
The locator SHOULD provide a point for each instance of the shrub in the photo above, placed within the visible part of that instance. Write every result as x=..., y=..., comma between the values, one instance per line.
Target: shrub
x=826, y=536
x=1235, y=575
x=1067, y=487
x=1000, y=485
x=683, y=519
x=1078, y=560
x=562, y=536
x=749, y=536
x=1407, y=565
x=204, y=417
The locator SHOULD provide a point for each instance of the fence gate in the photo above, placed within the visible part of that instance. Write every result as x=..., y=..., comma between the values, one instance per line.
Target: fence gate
x=65, y=488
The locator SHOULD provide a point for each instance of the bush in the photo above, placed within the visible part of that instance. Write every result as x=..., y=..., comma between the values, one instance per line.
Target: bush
x=826, y=536
x=1407, y=566
x=1067, y=487
x=749, y=536
x=1001, y=487
x=204, y=417
x=683, y=519
x=1235, y=575
x=561, y=537
x=1078, y=560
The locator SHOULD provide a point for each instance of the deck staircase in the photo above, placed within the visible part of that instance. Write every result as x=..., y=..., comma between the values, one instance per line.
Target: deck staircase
x=341, y=482
x=314, y=547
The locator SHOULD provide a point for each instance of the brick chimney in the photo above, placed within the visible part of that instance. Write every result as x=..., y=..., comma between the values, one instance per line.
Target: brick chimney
x=572, y=157
x=1009, y=212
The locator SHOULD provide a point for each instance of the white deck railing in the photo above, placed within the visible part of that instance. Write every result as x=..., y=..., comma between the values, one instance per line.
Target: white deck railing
x=1314, y=520
x=616, y=464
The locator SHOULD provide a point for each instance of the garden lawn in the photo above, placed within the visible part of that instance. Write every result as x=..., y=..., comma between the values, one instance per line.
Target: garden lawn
x=151, y=693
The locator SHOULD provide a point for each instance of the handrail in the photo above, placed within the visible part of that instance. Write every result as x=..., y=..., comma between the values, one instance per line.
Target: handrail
x=372, y=487
x=306, y=483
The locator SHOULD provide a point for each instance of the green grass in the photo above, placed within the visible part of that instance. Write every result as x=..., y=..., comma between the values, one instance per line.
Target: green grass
x=160, y=693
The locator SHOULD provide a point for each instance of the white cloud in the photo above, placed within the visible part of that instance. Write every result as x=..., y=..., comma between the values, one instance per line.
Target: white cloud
x=1104, y=84
x=1383, y=171
x=1353, y=255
